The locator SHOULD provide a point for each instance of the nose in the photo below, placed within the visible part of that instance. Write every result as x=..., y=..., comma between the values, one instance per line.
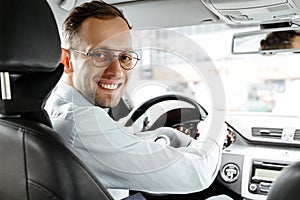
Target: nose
x=114, y=68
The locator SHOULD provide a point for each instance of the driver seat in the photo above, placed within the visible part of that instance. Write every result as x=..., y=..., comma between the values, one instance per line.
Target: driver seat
x=35, y=163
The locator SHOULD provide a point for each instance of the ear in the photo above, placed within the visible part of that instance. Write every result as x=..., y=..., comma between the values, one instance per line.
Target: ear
x=65, y=55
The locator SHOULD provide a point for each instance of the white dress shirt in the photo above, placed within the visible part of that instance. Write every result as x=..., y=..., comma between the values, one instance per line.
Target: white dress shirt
x=121, y=159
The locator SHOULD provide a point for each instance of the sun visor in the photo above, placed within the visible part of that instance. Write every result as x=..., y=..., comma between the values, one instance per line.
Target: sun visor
x=255, y=12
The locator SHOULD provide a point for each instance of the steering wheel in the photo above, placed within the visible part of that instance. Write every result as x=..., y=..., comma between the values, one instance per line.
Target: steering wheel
x=182, y=119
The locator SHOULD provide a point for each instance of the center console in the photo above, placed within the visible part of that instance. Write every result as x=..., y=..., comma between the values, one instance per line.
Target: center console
x=263, y=173
x=251, y=175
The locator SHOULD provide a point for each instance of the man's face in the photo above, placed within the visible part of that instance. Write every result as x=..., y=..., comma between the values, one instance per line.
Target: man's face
x=296, y=42
x=101, y=86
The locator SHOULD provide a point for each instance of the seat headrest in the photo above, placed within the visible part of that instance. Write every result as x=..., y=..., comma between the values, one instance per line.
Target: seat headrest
x=30, y=51
x=29, y=38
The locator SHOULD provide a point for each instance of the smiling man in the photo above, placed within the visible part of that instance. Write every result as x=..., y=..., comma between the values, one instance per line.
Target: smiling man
x=95, y=80
x=98, y=58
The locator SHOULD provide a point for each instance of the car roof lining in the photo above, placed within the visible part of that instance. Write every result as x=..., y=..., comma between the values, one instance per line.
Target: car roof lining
x=152, y=13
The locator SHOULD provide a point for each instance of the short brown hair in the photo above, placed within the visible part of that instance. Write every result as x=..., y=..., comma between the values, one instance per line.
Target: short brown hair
x=97, y=9
x=278, y=40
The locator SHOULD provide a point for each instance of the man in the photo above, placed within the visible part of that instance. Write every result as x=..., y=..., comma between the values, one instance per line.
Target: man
x=98, y=57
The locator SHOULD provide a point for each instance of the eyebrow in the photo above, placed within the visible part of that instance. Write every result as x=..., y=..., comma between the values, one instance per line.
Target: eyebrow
x=112, y=49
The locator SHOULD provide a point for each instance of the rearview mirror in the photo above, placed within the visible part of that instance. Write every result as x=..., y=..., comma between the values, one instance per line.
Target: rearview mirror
x=267, y=41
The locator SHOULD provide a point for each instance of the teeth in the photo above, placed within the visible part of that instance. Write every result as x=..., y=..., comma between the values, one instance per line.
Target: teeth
x=108, y=86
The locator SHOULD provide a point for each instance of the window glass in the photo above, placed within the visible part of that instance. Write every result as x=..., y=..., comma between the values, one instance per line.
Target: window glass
x=252, y=83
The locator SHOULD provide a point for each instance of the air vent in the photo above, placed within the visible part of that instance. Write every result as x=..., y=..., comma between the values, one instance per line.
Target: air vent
x=267, y=132
x=297, y=135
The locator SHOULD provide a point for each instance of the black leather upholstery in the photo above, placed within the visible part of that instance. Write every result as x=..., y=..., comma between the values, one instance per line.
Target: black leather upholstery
x=35, y=163
x=29, y=35
x=29, y=42
x=287, y=184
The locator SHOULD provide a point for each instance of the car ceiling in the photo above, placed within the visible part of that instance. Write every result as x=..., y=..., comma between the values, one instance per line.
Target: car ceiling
x=175, y=13
x=148, y=13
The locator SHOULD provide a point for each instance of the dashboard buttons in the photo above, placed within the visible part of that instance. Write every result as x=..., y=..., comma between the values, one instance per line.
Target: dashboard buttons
x=252, y=187
x=230, y=172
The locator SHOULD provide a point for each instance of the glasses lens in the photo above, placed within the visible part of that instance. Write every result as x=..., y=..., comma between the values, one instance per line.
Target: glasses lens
x=128, y=59
x=102, y=57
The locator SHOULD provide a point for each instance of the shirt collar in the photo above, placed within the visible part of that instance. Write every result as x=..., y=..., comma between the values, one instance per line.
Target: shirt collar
x=70, y=94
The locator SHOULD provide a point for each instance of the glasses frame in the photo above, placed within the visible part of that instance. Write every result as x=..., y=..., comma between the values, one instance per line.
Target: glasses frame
x=91, y=55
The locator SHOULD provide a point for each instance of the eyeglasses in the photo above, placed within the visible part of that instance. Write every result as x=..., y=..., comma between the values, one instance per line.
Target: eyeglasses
x=103, y=57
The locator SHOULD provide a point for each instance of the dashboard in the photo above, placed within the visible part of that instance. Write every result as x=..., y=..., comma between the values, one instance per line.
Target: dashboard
x=263, y=144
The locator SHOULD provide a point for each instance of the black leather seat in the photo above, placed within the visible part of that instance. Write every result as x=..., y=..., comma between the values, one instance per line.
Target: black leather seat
x=34, y=162
x=286, y=185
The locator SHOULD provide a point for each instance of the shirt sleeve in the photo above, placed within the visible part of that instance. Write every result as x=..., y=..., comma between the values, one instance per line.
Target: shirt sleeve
x=122, y=160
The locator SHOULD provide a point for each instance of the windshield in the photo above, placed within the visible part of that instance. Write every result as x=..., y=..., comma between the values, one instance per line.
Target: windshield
x=251, y=83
